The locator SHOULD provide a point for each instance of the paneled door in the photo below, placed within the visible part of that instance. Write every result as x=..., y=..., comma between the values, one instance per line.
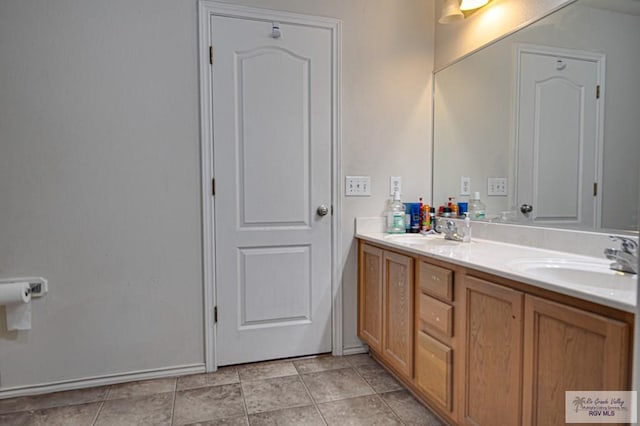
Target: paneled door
x=272, y=136
x=558, y=135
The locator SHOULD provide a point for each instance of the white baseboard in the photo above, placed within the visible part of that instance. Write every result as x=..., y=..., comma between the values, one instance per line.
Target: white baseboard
x=111, y=379
x=355, y=350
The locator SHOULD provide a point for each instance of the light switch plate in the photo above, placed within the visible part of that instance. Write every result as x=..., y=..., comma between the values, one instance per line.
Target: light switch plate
x=497, y=187
x=357, y=186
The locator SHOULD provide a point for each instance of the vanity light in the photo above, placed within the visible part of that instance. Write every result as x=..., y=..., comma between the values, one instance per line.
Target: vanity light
x=472, y=4
x=452, y=9
x=450, y=12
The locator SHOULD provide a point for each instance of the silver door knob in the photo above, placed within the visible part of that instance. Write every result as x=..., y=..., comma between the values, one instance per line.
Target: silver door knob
x=322, y=210
x=526, y=208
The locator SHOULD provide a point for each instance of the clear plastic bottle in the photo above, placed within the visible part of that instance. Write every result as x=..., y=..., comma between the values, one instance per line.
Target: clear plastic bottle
x=395, y=216
x=477, y=209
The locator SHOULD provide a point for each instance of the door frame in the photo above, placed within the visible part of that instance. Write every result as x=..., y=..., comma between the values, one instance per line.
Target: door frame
x=600, y=60
x=206, y=9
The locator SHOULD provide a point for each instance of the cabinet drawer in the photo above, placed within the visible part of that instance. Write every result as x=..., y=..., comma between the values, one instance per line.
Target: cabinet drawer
x=436, y=315
x=436, y=281
x=433, y=369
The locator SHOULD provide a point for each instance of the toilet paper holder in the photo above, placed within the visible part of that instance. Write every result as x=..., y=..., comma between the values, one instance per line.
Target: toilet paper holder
x=37, y=285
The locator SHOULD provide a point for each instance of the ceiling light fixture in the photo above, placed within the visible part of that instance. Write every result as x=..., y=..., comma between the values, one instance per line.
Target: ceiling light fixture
x=450, y=12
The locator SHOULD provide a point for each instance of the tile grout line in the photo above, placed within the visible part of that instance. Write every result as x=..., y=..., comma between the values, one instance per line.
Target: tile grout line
x=378, y=394
x=106, y=396
x=173, y=405
x=244, y=401
x=313, y=400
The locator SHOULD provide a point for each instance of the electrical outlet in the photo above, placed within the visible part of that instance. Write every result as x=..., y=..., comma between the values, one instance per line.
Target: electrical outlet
x=497, y=187
x=357, y=186
x=465, y=185
x=395, y=184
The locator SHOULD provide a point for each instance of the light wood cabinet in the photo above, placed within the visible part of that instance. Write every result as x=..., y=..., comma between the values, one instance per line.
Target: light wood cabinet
x=385, y=313
x=434, y=335
x=484, y=350
x=568, y=349
x=491, y=329
x=370, y=296
x=434, y=370
x=397, y=337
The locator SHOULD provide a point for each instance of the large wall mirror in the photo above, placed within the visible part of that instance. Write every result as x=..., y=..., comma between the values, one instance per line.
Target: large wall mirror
x=554, y=108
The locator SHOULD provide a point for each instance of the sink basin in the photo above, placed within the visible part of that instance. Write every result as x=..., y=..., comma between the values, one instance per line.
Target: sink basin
x=420, y=240
x=407, y=238
x=576, y=272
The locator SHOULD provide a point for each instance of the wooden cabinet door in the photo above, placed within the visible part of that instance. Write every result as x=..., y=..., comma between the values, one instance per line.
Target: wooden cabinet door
x=370, y=296
x=568, y=349
x=397, y=338
x=434, y=369
x=492, y=346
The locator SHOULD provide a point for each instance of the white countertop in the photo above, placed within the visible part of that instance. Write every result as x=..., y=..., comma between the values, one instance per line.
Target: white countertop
x=499, y=259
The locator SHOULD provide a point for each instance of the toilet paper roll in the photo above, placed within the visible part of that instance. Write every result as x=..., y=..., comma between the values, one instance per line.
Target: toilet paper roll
x=16, y=297
x=13, y=293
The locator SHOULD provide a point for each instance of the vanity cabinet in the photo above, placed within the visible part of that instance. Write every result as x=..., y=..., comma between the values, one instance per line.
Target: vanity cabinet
x=370, y=290
x=385, y=314
x=480, y=349
x=397, y=312
x=434, y=334
x=491, y=331
x=568, y=349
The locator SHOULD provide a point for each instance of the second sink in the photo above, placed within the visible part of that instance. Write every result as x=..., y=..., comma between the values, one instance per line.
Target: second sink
x=579, y=272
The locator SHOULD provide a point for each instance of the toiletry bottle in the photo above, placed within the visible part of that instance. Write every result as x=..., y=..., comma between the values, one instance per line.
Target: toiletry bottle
x=466, y=234
x=426, y=218
x=453, y=206
x=477, y=209
x=396, y=216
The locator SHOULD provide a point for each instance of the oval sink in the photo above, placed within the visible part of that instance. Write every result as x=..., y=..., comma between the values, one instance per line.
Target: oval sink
x=578, y=272
x=407, y=238
x=420, y=240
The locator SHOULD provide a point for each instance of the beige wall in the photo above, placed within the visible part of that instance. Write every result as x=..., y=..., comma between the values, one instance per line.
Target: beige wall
x=100, y=175
x=499, y=17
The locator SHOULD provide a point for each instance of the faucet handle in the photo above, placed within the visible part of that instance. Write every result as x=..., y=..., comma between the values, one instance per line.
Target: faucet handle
x=627, y=244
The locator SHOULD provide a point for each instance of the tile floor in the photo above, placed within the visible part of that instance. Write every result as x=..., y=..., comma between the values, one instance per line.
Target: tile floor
x=324, y=390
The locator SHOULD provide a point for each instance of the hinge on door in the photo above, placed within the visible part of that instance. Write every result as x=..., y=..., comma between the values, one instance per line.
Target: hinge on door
x=331, y=210
x=215, y=314
x=598, y=91
x=211, y=55
x=595, y=189
x=213, y=187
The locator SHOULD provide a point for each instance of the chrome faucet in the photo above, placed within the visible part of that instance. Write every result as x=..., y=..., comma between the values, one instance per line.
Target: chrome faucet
x=451, y=231
x=626, y=257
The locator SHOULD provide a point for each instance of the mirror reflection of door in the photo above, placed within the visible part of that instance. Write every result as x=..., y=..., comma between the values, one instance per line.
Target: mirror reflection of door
x=558, y=135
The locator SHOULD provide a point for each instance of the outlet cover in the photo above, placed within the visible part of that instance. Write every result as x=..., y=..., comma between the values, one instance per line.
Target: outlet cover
x=497, y=187
x=357, y=186
x=465, y=185
x=395, y=184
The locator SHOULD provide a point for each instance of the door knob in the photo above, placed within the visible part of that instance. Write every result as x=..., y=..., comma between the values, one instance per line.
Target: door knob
x=526, y=208
x=322, y=210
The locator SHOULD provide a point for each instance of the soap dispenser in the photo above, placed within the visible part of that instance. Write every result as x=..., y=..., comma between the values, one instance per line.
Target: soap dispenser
x=466, y=233
x=395, y=216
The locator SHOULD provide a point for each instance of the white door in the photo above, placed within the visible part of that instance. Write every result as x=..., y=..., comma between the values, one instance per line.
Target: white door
x=557, y=137
x=272, y=137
